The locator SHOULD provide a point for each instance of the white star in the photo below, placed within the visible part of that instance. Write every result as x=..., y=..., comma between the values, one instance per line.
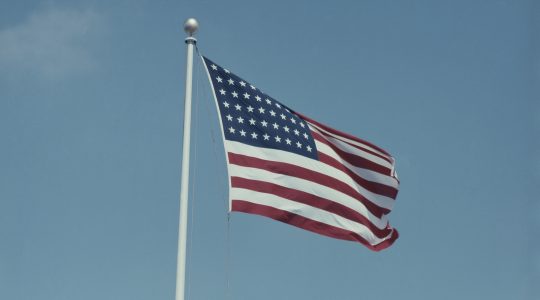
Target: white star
x=264, y=123
x=235, y=94
x=250, y=109
x=266, y=137
x=231, y=130
x=288, y=141
x=273, y=113
x=268, y=101
x=242, y=83
x=254, y=135
x=258, y=98
x=246, y=95
x=252, y=87
x=238, y=107
x=242, y=132
x=219, y=79
x=278, y=139
x=296, y=132
x=240, y=120
x=276, y=126
x=252, y=121
x=305, y=135
x=214, y=67
x=229, y=117
x=230, y=81
x=283, y=116
x=302, y=124
x=308, y=148
x=278, y=106
x=298, y=144
x=286, y=129
x=226, y=104
x=261, y=110
x=293, y=120
x=222, y=91
x=226, y=71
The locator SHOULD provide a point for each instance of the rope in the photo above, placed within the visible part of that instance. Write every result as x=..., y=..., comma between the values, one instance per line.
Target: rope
x=222, y=193
x=213, y=137
x=228, y=258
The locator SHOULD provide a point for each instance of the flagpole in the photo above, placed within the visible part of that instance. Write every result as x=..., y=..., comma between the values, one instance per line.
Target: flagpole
x=190, y=26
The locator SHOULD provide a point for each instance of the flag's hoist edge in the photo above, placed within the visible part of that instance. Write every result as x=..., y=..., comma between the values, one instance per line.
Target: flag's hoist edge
x=345, y=196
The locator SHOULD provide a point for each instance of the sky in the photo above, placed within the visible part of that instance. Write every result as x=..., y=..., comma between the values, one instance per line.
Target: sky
x=91, y=112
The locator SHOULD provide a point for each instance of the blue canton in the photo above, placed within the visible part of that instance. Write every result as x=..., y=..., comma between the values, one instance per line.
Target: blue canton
x=251, y=117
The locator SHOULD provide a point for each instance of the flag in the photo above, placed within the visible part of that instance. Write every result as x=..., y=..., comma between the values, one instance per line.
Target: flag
x=288, y=167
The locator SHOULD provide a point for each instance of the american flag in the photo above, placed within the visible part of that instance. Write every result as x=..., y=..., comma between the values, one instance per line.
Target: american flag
x=290, y=168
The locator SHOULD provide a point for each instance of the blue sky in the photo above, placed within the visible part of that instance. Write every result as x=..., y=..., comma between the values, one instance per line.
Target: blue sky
x=91, y=106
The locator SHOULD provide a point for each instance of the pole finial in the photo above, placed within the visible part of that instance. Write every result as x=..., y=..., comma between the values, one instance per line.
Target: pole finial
x=190, y=26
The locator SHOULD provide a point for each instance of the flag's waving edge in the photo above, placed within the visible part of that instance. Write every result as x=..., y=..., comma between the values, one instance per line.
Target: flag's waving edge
x=293, y=169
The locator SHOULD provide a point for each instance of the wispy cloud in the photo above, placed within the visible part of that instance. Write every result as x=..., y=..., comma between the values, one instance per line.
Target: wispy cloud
x=51, y=43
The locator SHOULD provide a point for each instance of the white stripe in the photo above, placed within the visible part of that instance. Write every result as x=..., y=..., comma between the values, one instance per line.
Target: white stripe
x=355, y=151
x=364, y=173
x=308, y=163
x=306, y=211
x=362, y=145
x=308, y=187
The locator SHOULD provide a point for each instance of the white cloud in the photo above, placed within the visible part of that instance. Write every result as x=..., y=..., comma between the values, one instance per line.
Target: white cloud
x=51, y=43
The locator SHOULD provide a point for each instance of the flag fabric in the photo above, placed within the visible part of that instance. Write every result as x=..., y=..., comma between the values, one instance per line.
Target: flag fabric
x=293, y=169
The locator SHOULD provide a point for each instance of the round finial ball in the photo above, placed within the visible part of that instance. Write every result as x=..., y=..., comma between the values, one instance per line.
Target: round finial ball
x=190, y=26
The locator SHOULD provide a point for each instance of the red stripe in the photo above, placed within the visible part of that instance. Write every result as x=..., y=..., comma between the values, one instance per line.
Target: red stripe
x=308, y=224
x=360, y=149
x=307, y=174
x=343, y=134
x=308, y=199
x=353, y=159
x=371, y=186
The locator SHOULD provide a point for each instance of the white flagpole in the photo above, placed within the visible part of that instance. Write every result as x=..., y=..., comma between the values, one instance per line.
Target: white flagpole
x=190, y=26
